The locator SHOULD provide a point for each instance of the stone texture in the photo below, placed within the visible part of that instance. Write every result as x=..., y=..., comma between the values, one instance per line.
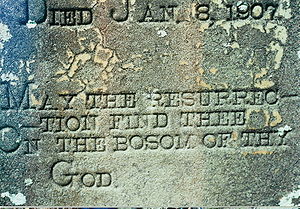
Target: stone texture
x=149, y=103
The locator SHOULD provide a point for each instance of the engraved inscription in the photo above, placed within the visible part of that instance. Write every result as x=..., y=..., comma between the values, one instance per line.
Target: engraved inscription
x=217, y=118
x=58, y=124
x=152, y=142
x=81, y=144
x=64, y=174
x=245, y=10
x=110, y=102
x=124, y=128
x=70, y=17
x=170, y=12
x=156, y=13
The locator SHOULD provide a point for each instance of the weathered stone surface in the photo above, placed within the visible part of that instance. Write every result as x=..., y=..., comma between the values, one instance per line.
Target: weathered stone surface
x=149, y=102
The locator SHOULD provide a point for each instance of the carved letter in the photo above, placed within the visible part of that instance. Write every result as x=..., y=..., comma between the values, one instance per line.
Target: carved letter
x=116, y=17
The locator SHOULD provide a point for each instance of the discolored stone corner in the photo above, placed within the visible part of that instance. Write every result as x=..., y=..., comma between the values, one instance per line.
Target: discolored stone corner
x=149, y=103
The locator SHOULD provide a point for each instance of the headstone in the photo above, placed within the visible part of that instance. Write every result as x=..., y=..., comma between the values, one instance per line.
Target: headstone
x=149, y=102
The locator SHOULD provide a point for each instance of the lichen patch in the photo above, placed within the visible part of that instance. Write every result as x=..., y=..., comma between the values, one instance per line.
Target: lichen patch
x=16, y=199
